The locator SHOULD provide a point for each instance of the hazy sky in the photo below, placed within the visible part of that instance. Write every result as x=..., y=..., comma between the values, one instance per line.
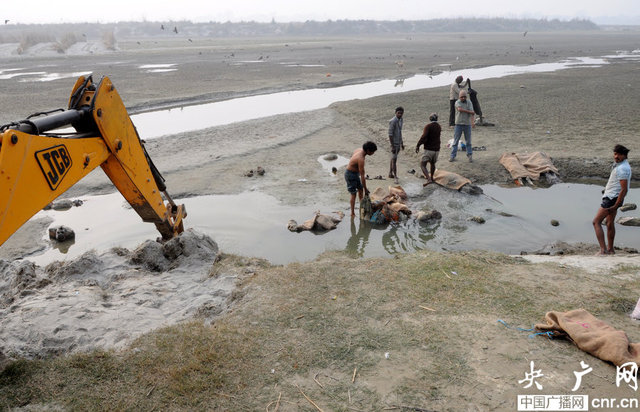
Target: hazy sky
x=65, y=11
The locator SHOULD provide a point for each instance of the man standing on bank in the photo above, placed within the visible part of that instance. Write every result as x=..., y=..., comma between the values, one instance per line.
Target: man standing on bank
x=395, y=139
x=431, y=140
x=612, y=198
x=454, y=92
x=465, y=120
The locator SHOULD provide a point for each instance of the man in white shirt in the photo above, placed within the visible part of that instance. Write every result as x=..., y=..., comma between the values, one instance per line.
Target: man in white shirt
x=612, y=198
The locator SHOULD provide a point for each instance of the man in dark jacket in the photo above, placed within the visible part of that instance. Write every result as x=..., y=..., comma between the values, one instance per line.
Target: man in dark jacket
x=473, y=96
x=431, y=140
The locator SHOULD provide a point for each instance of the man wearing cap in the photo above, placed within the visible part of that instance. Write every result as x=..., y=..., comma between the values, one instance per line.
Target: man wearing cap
x=431, y=140
x=454, y=92
x=465, y=117
x=612, y=198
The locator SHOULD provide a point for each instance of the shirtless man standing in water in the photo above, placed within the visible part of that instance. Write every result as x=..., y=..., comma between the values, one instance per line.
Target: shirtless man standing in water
x=355, y=176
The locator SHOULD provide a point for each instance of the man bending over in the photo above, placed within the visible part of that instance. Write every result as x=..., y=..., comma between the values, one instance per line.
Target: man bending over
x=355, y=176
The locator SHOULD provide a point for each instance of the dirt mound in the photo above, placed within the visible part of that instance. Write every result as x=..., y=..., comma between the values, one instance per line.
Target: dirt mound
x=106, y=300
x=52, y=49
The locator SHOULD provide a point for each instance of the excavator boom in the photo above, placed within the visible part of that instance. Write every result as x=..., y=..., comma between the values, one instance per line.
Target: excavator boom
x=38, y=164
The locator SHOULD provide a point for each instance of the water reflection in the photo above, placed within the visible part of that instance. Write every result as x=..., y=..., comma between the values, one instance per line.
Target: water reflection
x=408, y=236
x=63, y=247
x=332, y=162
x=359, y=239
x=391, y=242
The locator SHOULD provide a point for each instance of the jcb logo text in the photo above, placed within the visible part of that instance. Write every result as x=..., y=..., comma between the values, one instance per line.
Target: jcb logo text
x=54, y=162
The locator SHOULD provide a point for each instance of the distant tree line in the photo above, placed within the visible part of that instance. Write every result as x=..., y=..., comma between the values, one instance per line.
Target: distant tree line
x=343, y=27
x=65, y=33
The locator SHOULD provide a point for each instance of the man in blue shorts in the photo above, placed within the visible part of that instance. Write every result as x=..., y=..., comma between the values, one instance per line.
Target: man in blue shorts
x=612, y=198
x=355, y=176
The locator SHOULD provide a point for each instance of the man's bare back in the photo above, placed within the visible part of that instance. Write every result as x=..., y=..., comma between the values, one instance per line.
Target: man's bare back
x=354, y=175
x=356, y=163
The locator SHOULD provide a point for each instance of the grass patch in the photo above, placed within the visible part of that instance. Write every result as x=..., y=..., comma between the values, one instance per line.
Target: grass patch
x=621, y=304
x=405, y=325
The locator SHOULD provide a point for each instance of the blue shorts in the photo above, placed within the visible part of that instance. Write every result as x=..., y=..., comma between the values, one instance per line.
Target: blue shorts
x=607, y=203
x=353, y=181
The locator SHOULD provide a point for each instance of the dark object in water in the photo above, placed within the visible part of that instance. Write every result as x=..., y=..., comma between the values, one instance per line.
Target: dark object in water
x=61, y=233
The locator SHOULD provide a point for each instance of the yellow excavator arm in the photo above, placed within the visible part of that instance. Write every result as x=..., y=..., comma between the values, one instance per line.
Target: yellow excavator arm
x=38, y=164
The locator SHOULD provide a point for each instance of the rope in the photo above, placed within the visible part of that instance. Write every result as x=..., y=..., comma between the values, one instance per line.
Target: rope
x=549, y=333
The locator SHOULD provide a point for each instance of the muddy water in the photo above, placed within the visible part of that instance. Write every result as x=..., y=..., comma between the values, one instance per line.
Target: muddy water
x=572, y=205
x=250, y=223
x=255, y=224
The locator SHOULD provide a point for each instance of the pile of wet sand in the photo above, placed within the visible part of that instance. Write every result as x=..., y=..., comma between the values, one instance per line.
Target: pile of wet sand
x=104, y=300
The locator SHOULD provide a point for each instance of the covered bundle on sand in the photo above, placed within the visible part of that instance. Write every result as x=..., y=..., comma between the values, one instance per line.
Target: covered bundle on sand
x=525, y=167
x=455, y=181
x=592, y=335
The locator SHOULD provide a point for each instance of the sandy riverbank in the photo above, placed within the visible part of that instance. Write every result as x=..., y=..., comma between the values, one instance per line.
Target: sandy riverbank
x=576, y=116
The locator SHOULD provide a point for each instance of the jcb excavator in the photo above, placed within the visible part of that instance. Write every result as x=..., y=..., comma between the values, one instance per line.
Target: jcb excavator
x=38, y=164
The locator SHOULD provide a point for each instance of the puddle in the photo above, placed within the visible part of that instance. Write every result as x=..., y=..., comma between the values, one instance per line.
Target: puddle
x=47, y=77
x=39, y=76
x=572, y=205
x=255, y=224
x=250, y=223
x=331, y=161
x=623, y=54
x=183, y=119
x=161, y=70
x=243, y=62
x=14, y=75
x=158, y=68
x=6, y=74
x=302, y=65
